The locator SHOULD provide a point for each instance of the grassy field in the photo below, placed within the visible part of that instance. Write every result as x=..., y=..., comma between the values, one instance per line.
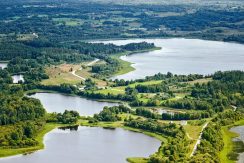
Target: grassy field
x=125, y=66
x=228, y=144
x=113, y=91
x=200, y=81
x=59, y=74
x=69, y=21
x=86, y=73
x=4, y=152
x=121, y=89
x=193, y=133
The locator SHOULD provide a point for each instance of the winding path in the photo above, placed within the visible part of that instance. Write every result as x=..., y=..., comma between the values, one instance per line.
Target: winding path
x=198, y=140
x=200, y=136
x=88, y=64
x=73, y=73
x=234, y=107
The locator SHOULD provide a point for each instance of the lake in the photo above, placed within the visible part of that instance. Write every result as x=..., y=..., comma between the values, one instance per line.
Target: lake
x=17, y=78
x=3, y=65
x=55, y=102
x=239, y=130
x=183, y=56
x=90, y=145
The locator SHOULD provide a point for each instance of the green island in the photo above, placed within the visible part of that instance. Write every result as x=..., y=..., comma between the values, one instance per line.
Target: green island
x=51, y=45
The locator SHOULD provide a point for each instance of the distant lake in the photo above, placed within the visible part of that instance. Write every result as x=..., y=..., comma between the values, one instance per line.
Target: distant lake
x=183, y=56
x=3, y=65
x=90, y=145
x=54, y=102
x=17, y=78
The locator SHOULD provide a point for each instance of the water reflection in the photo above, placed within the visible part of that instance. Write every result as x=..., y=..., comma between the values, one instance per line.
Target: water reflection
x=183, y=56
x=238, y=145
x=90, y=145
x=17, y=78
x=54, y=102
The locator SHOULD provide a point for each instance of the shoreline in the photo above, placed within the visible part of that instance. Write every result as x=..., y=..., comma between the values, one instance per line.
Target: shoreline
x=11, y=152
x=34, y=91
x=113, y=125
x=127, y=66
x=228, y=142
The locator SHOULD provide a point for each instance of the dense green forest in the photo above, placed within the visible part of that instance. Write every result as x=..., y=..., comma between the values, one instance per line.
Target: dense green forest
x=21, y=118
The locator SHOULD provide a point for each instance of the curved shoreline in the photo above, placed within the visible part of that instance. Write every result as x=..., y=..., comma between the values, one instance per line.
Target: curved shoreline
x=8, y=152
x=50, y=126
x=127, y=66
x=228, y=143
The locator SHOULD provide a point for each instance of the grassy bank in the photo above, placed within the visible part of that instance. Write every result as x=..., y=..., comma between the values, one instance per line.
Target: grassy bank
x=228, y=143
x=120, y=124
x=137, y=160
x=33, y=91
x=125, y=65
x=4, y=152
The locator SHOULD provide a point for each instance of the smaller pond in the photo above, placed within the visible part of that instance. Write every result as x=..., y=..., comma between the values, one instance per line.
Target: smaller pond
x=90, y=145
x=3, y=65
x=239, y=142
x=55, y=102
x=163, y=111
x=17, y=78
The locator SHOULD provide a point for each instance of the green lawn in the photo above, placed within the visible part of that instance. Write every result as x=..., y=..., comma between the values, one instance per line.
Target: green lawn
x=113, y=91
x=121, y=89
x=125, y=66
x=137, y=160
x=146, y=83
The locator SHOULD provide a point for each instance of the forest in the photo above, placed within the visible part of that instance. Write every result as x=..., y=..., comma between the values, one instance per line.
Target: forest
x=21, y=118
